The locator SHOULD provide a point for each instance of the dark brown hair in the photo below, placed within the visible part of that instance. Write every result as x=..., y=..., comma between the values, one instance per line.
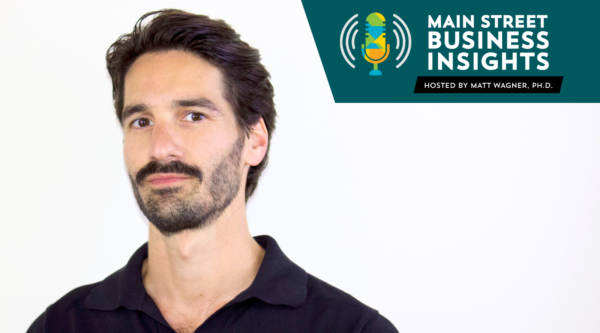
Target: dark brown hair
x=246, y=81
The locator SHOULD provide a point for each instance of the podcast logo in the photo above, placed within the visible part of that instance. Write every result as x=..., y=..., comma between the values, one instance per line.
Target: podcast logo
x=430, y=52
x=375, y=50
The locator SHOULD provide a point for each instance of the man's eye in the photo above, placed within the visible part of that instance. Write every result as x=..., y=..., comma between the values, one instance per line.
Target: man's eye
x=142, y=122
x=194, y=116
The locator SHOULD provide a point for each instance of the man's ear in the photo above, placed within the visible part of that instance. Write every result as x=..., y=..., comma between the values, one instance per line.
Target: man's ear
x=259, y=141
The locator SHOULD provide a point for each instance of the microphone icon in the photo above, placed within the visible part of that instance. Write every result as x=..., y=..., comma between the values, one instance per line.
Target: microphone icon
x=376, y=51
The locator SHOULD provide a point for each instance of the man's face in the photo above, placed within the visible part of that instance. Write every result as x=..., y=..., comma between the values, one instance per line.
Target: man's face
x=183, y=149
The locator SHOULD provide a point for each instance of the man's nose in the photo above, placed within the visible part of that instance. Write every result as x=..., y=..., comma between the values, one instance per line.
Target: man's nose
x=165, y=144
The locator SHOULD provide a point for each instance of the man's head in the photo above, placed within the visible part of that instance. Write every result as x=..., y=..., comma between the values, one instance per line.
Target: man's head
x=197, y=112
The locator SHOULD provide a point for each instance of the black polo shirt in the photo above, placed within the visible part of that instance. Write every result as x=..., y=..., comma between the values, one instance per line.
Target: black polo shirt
x=282, y=298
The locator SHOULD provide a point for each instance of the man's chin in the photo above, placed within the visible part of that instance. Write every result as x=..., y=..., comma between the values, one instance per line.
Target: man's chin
x=169, y=225
x=166, y=191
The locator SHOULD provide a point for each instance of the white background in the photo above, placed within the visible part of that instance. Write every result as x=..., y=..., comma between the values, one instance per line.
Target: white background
x=444, y=217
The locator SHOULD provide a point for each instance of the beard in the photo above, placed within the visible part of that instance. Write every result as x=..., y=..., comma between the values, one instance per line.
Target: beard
x=175, y=209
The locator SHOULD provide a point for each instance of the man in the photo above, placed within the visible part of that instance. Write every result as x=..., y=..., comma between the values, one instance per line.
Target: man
x=197, y=112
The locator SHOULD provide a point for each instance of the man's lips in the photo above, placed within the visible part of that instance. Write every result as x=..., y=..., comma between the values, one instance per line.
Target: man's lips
x=166, y=178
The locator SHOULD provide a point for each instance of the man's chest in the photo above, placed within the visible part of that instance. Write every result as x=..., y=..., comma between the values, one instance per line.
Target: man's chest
x=239, y=319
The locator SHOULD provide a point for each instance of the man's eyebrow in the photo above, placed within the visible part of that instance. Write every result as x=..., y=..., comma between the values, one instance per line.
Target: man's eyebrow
x=197, y=102
x=130, y=110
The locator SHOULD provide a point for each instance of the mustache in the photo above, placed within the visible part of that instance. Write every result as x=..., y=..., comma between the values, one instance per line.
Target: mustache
x=171, y=167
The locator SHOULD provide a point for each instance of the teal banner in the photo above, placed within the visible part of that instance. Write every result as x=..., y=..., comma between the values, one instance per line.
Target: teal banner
x=458, y=52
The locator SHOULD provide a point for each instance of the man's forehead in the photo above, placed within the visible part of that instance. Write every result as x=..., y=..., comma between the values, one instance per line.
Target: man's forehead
x=163, y=77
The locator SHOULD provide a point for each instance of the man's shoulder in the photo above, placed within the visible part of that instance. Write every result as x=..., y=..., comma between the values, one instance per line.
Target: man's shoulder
x=75, y=298
x=325, y=293
x=98, y=295
x=66, y=306
x=334, y=303
x=77, y=304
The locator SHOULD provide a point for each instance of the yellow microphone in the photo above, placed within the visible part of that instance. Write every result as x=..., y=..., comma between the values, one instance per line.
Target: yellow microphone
x=375, y=51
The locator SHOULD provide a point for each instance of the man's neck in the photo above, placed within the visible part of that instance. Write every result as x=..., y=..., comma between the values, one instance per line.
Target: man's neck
x=192, y=274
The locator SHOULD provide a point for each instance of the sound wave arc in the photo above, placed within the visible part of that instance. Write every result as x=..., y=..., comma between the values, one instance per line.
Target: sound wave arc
x=409, y=40
x=342, y=40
